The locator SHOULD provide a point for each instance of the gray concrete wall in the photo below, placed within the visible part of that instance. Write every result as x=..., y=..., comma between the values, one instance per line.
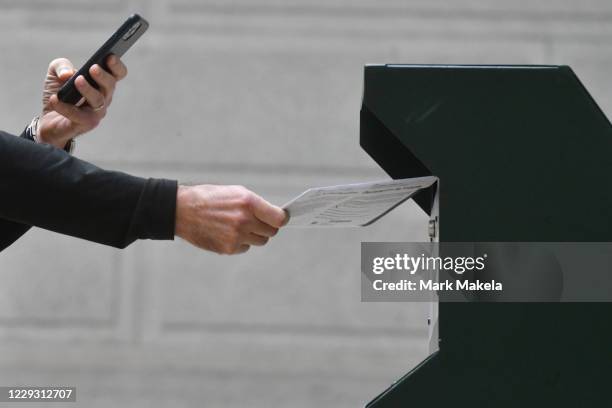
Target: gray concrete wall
x=264, y=94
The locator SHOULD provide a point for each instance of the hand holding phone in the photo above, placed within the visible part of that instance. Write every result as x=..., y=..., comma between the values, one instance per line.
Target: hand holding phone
x=94, y=84
x=118, y=44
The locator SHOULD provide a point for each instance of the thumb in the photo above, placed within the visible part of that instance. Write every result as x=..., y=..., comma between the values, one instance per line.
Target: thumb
x=269, y=213
x=61, y=68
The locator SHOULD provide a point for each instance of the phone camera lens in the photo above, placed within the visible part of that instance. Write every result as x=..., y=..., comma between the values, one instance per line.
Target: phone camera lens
x=131, y=31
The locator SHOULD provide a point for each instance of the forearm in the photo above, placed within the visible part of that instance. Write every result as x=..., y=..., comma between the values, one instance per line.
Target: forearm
x=45, y=187
x=11, y=231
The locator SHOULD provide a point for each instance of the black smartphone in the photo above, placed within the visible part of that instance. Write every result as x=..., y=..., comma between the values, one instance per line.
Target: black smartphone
x=129, y=32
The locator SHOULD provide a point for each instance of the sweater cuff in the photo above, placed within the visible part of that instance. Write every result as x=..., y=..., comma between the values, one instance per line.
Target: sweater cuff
x=159, y=209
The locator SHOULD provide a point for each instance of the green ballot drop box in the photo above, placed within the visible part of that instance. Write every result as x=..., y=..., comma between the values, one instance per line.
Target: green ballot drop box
x=523, y=154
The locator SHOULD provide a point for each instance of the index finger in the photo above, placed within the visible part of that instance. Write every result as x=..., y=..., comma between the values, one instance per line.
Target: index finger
x=116, y=67
x=269, y=213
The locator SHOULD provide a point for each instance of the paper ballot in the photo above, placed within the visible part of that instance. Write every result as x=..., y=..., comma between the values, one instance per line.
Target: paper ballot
x=351, y=205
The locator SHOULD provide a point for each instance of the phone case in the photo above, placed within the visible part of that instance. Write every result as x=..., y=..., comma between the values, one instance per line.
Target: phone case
x=129, y=32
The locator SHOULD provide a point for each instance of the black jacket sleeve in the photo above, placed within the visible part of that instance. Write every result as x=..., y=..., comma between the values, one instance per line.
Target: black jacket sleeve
x=12, y=231
x=46, y=187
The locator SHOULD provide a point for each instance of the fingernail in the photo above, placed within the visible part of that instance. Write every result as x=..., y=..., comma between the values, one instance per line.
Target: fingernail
x=63, y=71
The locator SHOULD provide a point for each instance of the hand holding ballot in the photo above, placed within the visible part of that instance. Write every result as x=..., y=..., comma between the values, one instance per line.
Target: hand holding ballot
x=225, y=219
x=229, y=219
